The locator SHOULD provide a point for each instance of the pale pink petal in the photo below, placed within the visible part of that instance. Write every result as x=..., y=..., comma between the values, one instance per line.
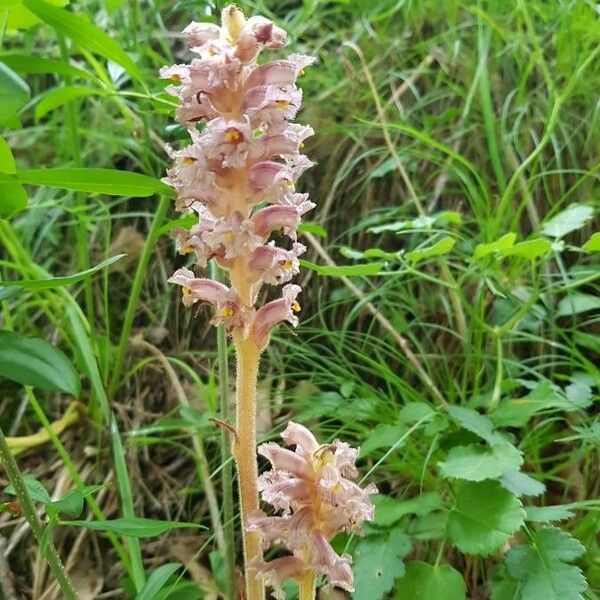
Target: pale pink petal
x=284, y=459
x=298, y=435
x=197, y=289
x=276, y=217
x=328, y=563
x=275, y=312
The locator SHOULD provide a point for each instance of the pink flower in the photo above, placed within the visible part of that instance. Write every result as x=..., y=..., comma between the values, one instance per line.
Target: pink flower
x=274, y=265
x=276, y=217
x=311, y=487
x=275, y=312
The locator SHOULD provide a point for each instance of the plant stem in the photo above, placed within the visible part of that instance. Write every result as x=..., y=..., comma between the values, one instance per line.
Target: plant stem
x=307, y=587
x=227, y=471
x=244, y=451
x=45, y=544
x=134, y=296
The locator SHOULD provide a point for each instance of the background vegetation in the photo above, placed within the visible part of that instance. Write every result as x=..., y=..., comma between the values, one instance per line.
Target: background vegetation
x=450, y=308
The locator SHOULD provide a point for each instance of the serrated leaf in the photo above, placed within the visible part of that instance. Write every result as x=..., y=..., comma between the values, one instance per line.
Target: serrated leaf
x=415, y=411
x=422, y=581
x=389, y=510
x=377, y=562
x=476, y=463
x=572, y=218
x=543, y=568
x=111, y=182
x=484, y=517
x=575, y=304
x=521, y=484
x=593, y=244
x=83, y=32
x=133, y=527
x=53, y=282
x=474, y=422
x=443, y=246
x=35, y=362
x=502, y=243
x=545, y=514
x=530, y=249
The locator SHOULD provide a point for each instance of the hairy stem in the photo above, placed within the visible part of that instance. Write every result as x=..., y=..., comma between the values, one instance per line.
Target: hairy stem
x=306, y=585
x=244, y=452
x=45, y=544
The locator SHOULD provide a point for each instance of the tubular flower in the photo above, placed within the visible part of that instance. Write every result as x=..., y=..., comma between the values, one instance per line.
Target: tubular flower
x=248, y=153
x=312, y=489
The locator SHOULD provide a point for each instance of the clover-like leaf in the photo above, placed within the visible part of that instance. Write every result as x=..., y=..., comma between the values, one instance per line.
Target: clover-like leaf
x=377, y=562
x=427, y=582
x=543, y=568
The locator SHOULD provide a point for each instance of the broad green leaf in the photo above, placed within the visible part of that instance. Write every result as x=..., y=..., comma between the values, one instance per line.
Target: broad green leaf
x=133, y=527
x=35, y=489
x=443, y=246
x=13, y=197
x=521, y=484
x=7, y=161
x=530, y=249
x=60, y=96
x=35, y=64
x=484, y=517
x=422, y=581
x=70, y=504
x=472, y=421
x=14, y=93
x=572, y=218
x=157, y=581
x=53, y=282
x=389, y=510
x=20, y=17
x=83, y=33
x=9, y=3
x=382, y=436
x=312, y=228
x=503, y=243
x=593, y=244
x=377, y=562
x=545, y=514
x=111, y=182
x=575, y=304
x=476, y=463
x=345, y=271
x=543, y=568
x=35, y=362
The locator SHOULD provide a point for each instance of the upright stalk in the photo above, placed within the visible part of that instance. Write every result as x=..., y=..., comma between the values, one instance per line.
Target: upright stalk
x=244, y=451
x=45, y=544
x=227, y=470
x=306, y=586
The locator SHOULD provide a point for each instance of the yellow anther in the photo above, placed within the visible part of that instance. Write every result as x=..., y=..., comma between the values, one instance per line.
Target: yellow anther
x=175, y=78
x=296, y=307
x=186, y=249
x=233, y=135
x=228, y=236
x=301, y=72
x=282, y=103
x=289, y=183
x=227, y=311
x=188, y=160
x=186, y=291
x=286, y=264
x=301, y=146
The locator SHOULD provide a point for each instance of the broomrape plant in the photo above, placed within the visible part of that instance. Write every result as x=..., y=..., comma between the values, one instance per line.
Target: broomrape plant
x=238, y=175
